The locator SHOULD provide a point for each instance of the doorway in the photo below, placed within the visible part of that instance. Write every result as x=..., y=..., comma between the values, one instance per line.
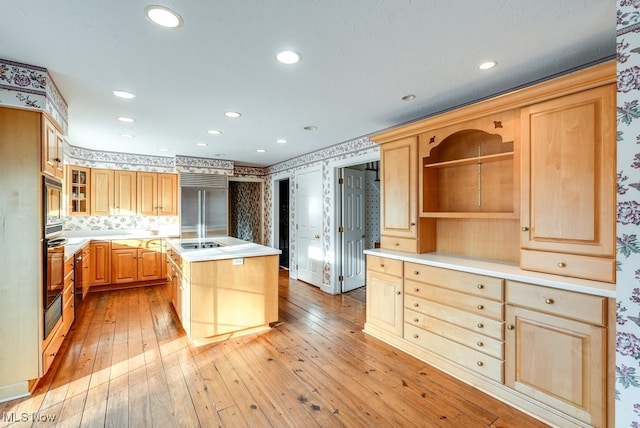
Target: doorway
x=283, y=222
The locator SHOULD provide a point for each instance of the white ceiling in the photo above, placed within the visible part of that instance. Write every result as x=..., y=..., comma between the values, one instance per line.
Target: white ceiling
x=359, y=57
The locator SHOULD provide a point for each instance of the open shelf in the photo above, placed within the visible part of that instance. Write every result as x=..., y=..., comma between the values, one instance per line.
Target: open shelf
x=469, y=214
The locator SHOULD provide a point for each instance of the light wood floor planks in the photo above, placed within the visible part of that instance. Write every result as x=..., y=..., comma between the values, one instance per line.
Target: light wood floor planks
x=127, y=362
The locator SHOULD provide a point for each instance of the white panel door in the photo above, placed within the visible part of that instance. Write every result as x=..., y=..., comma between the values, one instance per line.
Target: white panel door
x=353, y=229
x=310, y=256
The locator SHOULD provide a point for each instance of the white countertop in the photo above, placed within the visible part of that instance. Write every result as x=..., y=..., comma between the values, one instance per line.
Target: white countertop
x=510, y=271
x=231, y=248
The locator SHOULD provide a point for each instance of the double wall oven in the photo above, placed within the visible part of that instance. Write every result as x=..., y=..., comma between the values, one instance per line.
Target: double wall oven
x=52, y=253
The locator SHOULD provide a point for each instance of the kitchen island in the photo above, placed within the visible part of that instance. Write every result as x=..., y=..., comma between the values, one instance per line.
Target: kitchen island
x=222, y=287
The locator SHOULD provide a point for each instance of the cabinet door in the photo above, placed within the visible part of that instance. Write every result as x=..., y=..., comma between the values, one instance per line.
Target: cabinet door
x=78, y=187
x=558, y=362
x=100, y=266
x=51, y=149
x=147, y=202
x=86, y=274
x=125, y=196
x=101, y=198
x=149, y=264
x=568, y=174
x=398, y=188
x=384, y=302
x=124, y=266
x=167, y=195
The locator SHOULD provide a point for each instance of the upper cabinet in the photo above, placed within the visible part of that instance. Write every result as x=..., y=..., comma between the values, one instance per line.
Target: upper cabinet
x=157, y=193
x=52, y=149
x=78, y=187
x=125, y=192
x=101, y=192
x=569, y=185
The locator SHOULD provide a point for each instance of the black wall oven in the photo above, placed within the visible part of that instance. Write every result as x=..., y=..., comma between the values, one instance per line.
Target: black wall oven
x=52, y=254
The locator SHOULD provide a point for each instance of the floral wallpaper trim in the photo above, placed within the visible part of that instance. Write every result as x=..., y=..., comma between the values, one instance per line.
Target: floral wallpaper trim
x=101, y=159
x=31, y=86
x=216, y=166
x=88, y=223
x=627, y=382
x=248, y=171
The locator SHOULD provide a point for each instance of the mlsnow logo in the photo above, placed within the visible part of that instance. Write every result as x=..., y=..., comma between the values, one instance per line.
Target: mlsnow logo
x=27, y=417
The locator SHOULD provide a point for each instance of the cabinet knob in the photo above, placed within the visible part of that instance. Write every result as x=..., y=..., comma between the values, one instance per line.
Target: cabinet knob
x=480, y=307
x=413, y=224
x=480, y=363
x=562, y=264
x=397, y=244
x=415, y=336
x=416, y=289
x=381, y=264
x=480, y=325
x=415, y=305
x=524, y=228
x=398, y=293
x=480, y=286
x=415, y=272
x=416, y=319
x=548, y=301
x=510, y=327
x=480, y=344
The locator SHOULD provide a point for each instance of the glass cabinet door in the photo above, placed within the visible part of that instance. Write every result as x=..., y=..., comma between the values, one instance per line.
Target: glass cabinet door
x=78, y=190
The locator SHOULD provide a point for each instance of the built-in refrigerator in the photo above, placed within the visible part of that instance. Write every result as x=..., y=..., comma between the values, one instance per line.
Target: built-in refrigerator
x=203, y=206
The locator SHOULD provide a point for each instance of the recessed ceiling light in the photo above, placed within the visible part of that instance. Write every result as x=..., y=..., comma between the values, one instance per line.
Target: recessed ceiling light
x=281, y=141
x=126, y=119
x=127, y=135
x=214, y=132
x=232, y=114
x=310, y=128
x=409, y=97
x=124, y=94
x=163, y=16
x=261, y=150
x=164, y=150
x=288, y=57
x=487, y=65
x=202, y=144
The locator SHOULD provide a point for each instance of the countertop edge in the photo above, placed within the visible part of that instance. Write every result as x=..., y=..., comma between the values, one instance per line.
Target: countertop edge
x=508, y=271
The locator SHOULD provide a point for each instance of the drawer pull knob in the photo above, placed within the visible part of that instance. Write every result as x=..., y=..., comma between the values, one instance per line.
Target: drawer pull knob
x=480, y=306
x=480, y=286
x=480, y=325
x=548, y=301
x=510, y=327
x=416, y=289
x=415, y=336
x=415, y=305
x=381, y=264
x=524, y=228
x=398, y=293
x=415, y=272
x=562, y=264
x=397, y=244
x=480, y=344
x=416, y=320
x=480, y=363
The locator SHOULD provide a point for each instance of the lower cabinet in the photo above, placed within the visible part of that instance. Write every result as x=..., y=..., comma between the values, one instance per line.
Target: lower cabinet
x=556, y=353
x=542, y=349
x=384, y=294
x=136, y=260
x=100, y=262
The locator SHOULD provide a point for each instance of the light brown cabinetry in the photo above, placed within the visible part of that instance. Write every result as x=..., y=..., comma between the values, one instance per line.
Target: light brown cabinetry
x=385, y=294
x=101, y=195
x=556, y=354
x=124, y=192
x=457, y=315
x=100, y=267
x=136, y=260
x=52, y=149
x=78, y=185
x=157, y=194
x=86, y=271
x=400, y=227
x=569, y=185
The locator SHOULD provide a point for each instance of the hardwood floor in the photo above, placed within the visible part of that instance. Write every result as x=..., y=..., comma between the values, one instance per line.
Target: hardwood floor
x=127, y=362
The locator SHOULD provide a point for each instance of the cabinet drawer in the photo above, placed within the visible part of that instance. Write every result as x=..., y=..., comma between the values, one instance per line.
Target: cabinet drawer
x=52, y=348
x=567, y=304
x=471, y=321
x=384, y=265
x=466, y=302
x=68, y=265
x=466, y=357
x=471, y=339
x=409, y=245
x=136, y=243
x=594, y=268
x=470, y=283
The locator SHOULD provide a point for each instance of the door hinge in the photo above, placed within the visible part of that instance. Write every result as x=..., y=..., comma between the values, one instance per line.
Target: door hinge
x=341, y=278
x=340, y=180
x=341, y=229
